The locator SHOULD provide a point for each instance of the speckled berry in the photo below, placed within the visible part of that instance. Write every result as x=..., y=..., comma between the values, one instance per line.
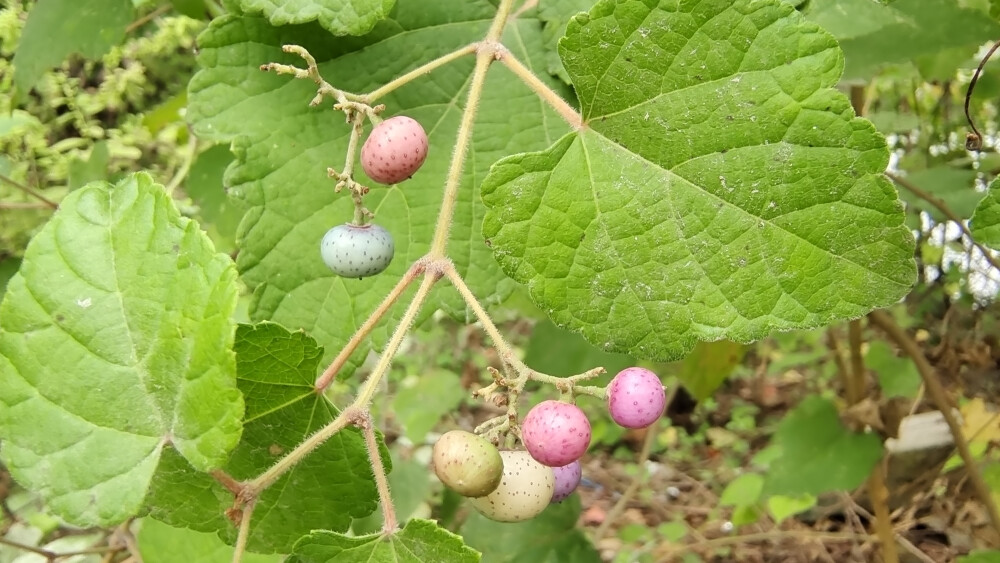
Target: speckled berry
x=466, y=463
x=524, y=492
x=636, y=398
x=567, y=479
x=396, y=149
x=357, y=251
x=555, y=433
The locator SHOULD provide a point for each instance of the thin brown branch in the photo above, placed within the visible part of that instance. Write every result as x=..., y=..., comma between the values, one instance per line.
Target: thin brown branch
x=23, y=205
x=940, y=398
x=947, y=212
x=878, y=494
x=148, y=18
x=772, y=536
x=30, y=191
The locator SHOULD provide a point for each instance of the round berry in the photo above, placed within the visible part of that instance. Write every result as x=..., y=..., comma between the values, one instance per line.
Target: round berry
x=567, y=479
x=357, y=251
x=466, y=463
x=396, y=149
x=636, y=398
x=556, y=433
x=524, y=492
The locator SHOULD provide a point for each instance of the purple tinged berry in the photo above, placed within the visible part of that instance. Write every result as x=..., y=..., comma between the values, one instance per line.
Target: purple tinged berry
x=524, y=492
x=396, y=149
x=357, y=251
x=636, y=398
x=567, y=479
x=556, y=433
x=466, y=463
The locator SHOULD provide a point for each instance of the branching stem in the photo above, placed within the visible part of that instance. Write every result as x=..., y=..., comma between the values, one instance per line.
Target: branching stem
x=938, y=394
x=369, y=325
x=244, y=533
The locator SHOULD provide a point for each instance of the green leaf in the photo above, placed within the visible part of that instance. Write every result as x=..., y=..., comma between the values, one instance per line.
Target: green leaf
x=284, y=151
x=562, y=353
x=422, y=399
x=898, y=377
x=420, y=541
x=742, y=491
x=94, y=169
x=985, y=223
x=190, y=8
x=923, y=27
x=556, y=15
x=50, y=35
x=705, y=368
x=220, y=215
x=721, y=188
x=781, y=506
x=981, y=556
x=116, y=342
x=8, y=267
x=551, y=537
x=845, y=19
x=332, y=485
x=160, y=543
x=956, y=187
x=340, y=17
x=410, y=485
x=819, y=454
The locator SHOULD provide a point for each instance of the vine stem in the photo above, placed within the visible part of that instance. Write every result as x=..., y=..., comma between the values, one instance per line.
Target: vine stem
x=947, y=212
x=182, y=172
x=369, y=325
x=877, y=491
x=937, y=393
x=426, y=68
x=244, y=533
x=30, y=191
x=486, y=52
x=389, y=522
x=543, y=91
x=370, y=386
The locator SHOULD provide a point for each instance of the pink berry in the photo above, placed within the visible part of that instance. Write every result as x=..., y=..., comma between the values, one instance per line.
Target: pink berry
x=395, y=150
x=636, y=398
x=555, y=433
x=567, y=479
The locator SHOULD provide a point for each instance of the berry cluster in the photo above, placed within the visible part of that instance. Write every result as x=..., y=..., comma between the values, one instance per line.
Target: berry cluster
x=517, y=485
x=393, y=152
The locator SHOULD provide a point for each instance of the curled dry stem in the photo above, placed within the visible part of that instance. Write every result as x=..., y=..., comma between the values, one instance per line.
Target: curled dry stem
x=312, y=73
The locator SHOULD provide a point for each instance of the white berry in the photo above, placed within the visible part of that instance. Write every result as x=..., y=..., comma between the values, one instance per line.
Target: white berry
x=396, y=149
x=357, y=251
x=524, y=492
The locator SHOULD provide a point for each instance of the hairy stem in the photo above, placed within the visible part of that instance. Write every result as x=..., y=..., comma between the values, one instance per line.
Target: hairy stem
x=369, y=325
x=30, y=191
x=440, y=241
x=422, y=70
x=547, y=95
x=505, y=351
x=389, y=522
x=252, y=489
x=370, y=386
x=940, y=397
x=877, y=491
x=244, y=533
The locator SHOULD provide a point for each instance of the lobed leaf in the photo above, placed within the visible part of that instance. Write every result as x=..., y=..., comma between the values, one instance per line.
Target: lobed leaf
x=720, y=187
x=116, y=342
x=332, y=485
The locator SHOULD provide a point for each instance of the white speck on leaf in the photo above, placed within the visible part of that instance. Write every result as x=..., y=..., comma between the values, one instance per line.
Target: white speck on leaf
x=83, y=302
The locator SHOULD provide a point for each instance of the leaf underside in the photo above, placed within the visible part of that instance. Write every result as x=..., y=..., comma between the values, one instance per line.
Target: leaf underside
x=420, y=541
